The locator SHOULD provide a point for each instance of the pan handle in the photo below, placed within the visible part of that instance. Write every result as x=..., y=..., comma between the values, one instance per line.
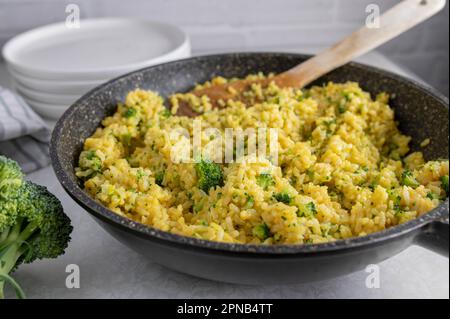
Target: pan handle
x=435, y=236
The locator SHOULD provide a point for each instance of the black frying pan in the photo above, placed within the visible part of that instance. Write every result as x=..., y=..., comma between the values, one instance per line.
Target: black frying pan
x=421, y=111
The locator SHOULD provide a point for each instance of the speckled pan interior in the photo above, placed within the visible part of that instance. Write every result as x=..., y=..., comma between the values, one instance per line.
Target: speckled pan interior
x=421, y=112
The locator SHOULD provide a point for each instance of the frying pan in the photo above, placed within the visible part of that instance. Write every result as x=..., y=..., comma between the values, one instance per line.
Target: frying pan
x=421, y=111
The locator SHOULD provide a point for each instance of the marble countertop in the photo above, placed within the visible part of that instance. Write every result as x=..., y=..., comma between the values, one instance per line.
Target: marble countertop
x=110, y=270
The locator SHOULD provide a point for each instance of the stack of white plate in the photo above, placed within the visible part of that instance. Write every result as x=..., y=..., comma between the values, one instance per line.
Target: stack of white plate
x=54, y=65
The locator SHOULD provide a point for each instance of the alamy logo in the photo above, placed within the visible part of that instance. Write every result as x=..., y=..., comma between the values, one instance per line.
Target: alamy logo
x=233, y=145
x=73, y=279
x=73, y=16
x=373, y=279
x=373, y=17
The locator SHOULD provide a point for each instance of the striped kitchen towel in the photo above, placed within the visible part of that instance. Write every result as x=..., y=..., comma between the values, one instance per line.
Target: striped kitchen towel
x=24, y=136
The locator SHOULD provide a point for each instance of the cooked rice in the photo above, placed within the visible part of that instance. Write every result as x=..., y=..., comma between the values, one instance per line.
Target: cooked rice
x=341, y=159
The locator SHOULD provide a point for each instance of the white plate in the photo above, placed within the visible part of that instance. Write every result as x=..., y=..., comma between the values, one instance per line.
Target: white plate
x=55, y=86
x=100, y=49
x=53, y=112
x=47, y=98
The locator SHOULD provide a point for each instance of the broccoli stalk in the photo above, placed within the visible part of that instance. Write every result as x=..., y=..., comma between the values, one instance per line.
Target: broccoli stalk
x=32, y=224
x=13, y=246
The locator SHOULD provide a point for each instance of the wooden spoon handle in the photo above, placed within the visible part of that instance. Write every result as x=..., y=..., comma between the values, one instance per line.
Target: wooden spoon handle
x=393, y=22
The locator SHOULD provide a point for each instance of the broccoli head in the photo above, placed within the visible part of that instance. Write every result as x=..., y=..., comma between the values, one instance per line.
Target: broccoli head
x=90, y=164
x=307, y=210
x=250, y=202
x=262, y=231
x=47, y=227
x=209, y=175
x=159, y=178
x=432, y=196
x=129, y=112
x=444, y=183
x=10, y=177
x=10, y=183
x=32, y=226
x=282, y=197
x=409, y=180
x=265, y=180
x=166, y=113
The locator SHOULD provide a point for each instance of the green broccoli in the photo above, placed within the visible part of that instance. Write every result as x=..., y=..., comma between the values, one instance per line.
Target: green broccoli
x=444, y=183
x=140, y=173
x=342, y=107
x=129, y=112
x=10, y=176
x=209, y=175
x=197, y=207
x=408, y=179
x=262, y=231
x=307, y=210
x=10, y=183
x=432, y=195
x=125, y=139
x=265, y=180
x=396, y=201
x=250, y=202
x=166, y=113
x=282, y=197
x=159, y=178
x=90, y=164
x=32, y=224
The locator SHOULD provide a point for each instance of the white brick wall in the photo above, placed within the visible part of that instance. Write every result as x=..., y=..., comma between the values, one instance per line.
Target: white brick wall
x=227, y=25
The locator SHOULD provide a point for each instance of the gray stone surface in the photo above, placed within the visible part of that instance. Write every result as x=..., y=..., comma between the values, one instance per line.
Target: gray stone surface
x=110, y=270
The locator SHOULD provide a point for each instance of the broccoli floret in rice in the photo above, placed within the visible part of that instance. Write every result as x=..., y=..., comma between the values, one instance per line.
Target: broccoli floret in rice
x=209, y=175
x=265, y=180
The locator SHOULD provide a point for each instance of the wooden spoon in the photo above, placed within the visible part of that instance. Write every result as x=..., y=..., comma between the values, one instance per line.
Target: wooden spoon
x=393, y=22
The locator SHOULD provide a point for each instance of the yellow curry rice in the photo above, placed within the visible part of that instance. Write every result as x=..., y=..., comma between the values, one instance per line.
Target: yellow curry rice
x=343, y=168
